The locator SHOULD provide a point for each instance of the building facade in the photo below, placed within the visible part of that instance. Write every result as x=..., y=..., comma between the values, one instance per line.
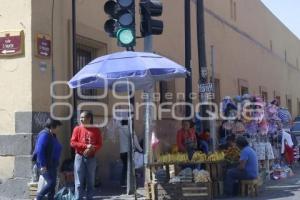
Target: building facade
x=254, y=53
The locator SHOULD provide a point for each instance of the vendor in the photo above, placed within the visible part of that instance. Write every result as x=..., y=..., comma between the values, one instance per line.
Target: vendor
x=186, y=137
x=247, y=168
x=204, y=141
x=287, y=151
x=230, y=143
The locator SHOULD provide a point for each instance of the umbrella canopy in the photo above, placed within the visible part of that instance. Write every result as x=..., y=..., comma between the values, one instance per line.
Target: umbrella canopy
x=141, y=68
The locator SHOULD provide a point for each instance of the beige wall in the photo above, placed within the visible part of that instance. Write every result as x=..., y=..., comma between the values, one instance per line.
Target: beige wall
x=15, y=73
x=7, y=167
x=242, y=51
x=236, y=55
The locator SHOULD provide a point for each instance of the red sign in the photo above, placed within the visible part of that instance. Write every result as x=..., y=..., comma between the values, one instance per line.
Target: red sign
x=43, y=46
x=10, y=45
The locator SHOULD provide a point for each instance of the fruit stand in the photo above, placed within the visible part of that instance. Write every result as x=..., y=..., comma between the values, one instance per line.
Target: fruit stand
x=190, y=186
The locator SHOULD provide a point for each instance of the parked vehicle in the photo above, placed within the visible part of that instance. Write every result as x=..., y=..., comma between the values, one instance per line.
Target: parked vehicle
x=297, y=119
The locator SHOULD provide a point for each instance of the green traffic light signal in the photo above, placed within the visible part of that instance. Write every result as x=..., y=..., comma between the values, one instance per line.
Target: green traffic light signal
x=122, y=21
x=126, y=37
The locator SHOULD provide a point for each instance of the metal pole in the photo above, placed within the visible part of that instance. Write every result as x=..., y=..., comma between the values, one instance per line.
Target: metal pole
x=74, y=63
x=201, y=56
x=52, y=56
x=213, y=122
x=148, y=118
x=188, y=80
x=131, y=183
x=148, y=43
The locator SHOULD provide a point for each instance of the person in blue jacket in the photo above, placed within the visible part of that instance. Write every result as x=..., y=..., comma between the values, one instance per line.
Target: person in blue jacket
x=48, y=150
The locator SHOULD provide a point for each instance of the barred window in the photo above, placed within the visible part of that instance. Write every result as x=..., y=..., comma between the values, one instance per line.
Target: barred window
x=83, y=57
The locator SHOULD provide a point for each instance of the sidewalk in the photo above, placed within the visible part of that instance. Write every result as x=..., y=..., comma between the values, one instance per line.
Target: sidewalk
x=284, y=189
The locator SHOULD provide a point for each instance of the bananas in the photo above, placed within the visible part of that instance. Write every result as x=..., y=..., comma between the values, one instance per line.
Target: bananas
x=217, y=156
x=197, y=157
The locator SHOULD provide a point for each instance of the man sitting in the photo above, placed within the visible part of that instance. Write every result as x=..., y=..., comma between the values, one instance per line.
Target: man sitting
x=247, y=168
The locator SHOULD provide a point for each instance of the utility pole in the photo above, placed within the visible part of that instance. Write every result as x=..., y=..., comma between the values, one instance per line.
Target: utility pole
x=74, y=63
x=213, y=122
x=203, y=73
x=187, y=39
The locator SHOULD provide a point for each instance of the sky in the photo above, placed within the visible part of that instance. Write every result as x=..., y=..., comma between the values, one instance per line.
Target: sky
x=287, y=11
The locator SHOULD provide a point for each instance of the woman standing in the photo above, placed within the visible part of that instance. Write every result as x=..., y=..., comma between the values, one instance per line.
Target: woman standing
x=86, y=140
x=48, y=150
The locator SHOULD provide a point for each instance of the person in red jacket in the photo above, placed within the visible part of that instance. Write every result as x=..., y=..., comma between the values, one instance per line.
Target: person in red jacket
x=86, y=140
x=186, y=137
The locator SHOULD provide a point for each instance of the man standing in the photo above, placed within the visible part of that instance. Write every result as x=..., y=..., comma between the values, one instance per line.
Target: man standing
x=247, y=168
x=86, y=140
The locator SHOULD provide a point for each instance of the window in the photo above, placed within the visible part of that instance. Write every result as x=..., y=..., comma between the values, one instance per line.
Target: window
x=83, y=56
x=217, y=91
x=244, y=90
x=289, y=103
x=264, y=96
x=263, y=93
x=233, y=10
x=166, y=91
x=277, y=97
x=243, y=87
x=298, y=107
x=285, y=56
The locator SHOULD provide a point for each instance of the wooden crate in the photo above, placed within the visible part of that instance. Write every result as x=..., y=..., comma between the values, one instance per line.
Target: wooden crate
x=180, y=191
x=32, y=188
x=218, y=188
x=216, y=170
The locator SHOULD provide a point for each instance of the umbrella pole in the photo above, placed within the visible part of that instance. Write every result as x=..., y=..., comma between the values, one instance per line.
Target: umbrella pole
x=148, y=120
x=131, y=182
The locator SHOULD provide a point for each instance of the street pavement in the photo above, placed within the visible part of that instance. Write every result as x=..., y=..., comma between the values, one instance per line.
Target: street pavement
x=283, y=189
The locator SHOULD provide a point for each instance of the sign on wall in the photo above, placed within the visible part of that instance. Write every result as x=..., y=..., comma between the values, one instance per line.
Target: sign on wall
x=43, y=45
x=11, y=43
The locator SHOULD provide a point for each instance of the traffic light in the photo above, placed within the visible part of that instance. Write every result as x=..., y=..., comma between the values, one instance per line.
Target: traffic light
x=149, y=9
x=122, y=21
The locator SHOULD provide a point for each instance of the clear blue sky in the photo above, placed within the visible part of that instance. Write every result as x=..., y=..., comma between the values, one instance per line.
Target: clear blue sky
x=287, y=11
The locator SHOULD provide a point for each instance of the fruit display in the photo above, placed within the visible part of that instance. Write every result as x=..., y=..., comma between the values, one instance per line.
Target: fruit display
x=176, y=157
x=232, y=154
x=217, y=156
x=197, y=157
x=201, y=176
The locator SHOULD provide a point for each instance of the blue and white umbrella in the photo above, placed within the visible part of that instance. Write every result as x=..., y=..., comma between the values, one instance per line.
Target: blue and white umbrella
x=141, y=68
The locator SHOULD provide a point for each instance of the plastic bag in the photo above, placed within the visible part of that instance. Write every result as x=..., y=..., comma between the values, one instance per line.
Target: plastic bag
x=66, y=193
x=42, y=182
x=138, y=160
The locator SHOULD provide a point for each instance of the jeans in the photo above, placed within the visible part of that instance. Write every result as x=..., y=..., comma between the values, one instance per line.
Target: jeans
x=84, y=172
x=203, y=145
x=123, y=157
x=231, y=177
x=49, y=188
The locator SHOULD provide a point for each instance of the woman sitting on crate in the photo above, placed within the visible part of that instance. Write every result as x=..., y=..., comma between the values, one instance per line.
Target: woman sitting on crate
x=247, y=168
x=186, y=139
